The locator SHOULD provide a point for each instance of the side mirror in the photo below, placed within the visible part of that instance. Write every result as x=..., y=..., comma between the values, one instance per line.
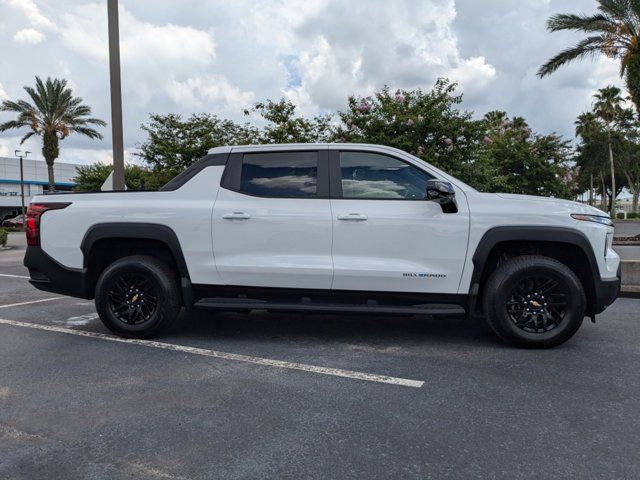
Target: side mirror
x=442, y=192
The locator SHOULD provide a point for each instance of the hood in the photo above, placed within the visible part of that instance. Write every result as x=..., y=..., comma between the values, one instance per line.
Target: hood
x=575, y=207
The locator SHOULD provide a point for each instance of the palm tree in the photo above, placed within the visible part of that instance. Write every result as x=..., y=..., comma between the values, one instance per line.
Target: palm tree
x=608, y=108
x=613, y=31
x=54, y=115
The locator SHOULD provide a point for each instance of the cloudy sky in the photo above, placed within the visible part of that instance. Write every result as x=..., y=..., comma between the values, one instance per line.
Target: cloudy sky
x=220, y=56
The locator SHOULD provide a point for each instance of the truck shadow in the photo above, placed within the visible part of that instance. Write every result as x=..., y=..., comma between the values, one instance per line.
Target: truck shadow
x=309, y=326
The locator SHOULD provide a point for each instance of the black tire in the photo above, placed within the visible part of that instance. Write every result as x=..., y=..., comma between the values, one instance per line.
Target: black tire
x=534, y=301
x=138, y=297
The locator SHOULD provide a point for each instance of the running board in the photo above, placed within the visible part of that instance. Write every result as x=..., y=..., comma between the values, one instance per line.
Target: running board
x=248, y=304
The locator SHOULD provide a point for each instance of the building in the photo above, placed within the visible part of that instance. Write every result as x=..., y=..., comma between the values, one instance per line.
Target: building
x=36, y=180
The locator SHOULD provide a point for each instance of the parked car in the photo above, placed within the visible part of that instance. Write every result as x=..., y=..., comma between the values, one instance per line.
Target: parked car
x=14, y=222
x=326, y=227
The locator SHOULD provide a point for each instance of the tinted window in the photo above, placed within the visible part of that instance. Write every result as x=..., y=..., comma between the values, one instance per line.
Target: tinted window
x=292, y=174
x=371, y=175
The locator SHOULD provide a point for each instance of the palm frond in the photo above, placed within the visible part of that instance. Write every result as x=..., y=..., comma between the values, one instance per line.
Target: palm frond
x=581, y=23
x=11, y=124
x=588, y=47
x=27, y=137
x=86, y=131
x=38, y=100
x=19, y=107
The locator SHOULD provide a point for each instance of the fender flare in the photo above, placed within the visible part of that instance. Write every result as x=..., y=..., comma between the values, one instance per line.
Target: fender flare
x=526, y=233
x=150, y=231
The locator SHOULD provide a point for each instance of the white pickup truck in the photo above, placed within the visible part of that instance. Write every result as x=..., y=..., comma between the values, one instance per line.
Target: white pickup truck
x=326, y=227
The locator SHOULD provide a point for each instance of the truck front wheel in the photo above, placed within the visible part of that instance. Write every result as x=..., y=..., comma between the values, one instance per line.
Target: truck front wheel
x=534, y=301
x=137, y=296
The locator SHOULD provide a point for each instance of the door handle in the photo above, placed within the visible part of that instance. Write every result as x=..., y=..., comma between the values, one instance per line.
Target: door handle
x=355, y=217
x=236, y=216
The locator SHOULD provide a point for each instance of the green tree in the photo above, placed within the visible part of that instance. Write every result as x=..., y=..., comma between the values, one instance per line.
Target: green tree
x=530, y=163
x=284, y=126
x=590, y=162
x=90, y=178
x=630, y=165
x=428, y=125
x=593, y=157
x=174, y=143
x=54, y=115
x=608, y=108
x=613, y=32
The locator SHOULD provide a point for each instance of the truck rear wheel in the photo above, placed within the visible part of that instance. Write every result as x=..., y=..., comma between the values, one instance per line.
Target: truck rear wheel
x=137, y=296
x=534, y=301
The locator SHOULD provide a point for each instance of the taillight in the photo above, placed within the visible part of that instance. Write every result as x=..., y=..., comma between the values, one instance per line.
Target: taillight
x=34, y=212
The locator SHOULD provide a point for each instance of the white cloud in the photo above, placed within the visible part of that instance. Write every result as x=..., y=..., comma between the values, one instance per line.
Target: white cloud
x=352, y=47
x=170, y=60
x=29, y=35
x=3, y=94
x=32, y=12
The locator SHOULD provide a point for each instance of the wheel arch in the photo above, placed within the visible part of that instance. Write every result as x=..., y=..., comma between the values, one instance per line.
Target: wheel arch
x=567, y=245
x=150, y=238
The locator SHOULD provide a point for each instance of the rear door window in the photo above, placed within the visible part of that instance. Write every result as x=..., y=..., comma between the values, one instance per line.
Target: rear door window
x=280, y=174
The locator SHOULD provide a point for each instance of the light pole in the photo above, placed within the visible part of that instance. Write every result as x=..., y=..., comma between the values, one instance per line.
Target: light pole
x=20, y=155
x=116, y=95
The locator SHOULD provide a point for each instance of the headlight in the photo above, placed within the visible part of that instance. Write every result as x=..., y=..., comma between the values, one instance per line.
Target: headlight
x=593, y=218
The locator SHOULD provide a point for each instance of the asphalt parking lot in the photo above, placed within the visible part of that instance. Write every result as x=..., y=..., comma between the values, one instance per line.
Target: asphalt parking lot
x=309, y=396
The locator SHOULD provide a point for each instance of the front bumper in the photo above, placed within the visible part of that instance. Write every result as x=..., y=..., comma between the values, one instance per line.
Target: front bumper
x=48, y=275
x=606, y=291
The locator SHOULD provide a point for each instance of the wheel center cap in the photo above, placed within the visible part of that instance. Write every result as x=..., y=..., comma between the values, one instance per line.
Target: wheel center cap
x=535, y=304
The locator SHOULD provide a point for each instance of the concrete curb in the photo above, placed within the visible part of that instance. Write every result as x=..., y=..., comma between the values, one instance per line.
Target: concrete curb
x=630, y=270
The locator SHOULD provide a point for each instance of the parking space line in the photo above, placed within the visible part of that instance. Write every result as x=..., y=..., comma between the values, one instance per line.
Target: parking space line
x=13, y=276
x=30, y=302
x=405, y=382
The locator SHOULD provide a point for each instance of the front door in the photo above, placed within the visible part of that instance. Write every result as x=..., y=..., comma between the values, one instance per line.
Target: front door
x=386, y=236
x=272, y=221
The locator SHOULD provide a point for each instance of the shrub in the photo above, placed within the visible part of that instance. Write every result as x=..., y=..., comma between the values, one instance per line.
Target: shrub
x=3, y=237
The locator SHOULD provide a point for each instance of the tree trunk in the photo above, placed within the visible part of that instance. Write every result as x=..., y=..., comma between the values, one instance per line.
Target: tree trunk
x=591, y=190
x=634, y=188
x=52, y=180
x=613, y=184
x=50, y=152
x=603, y=194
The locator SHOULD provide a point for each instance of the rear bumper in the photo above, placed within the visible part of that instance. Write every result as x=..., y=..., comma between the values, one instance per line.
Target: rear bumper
x=606, y=292
x=48, y=275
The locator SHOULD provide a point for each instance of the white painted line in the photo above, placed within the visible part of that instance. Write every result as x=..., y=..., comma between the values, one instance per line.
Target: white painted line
x=13, y=276
x=30, y=302
x=336, y=372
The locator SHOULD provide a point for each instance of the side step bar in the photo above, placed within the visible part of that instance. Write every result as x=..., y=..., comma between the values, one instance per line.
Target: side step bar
x=249, y=304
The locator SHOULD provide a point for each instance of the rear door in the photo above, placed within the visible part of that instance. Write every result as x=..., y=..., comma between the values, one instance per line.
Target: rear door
x=386, y=235
x=272, y=220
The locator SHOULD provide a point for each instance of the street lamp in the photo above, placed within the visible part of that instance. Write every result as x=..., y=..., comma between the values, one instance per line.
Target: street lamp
x=20, y=155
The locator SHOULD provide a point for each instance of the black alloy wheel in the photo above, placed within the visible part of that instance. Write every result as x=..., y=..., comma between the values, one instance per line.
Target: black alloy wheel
x=537, y=304
x=133, y=298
